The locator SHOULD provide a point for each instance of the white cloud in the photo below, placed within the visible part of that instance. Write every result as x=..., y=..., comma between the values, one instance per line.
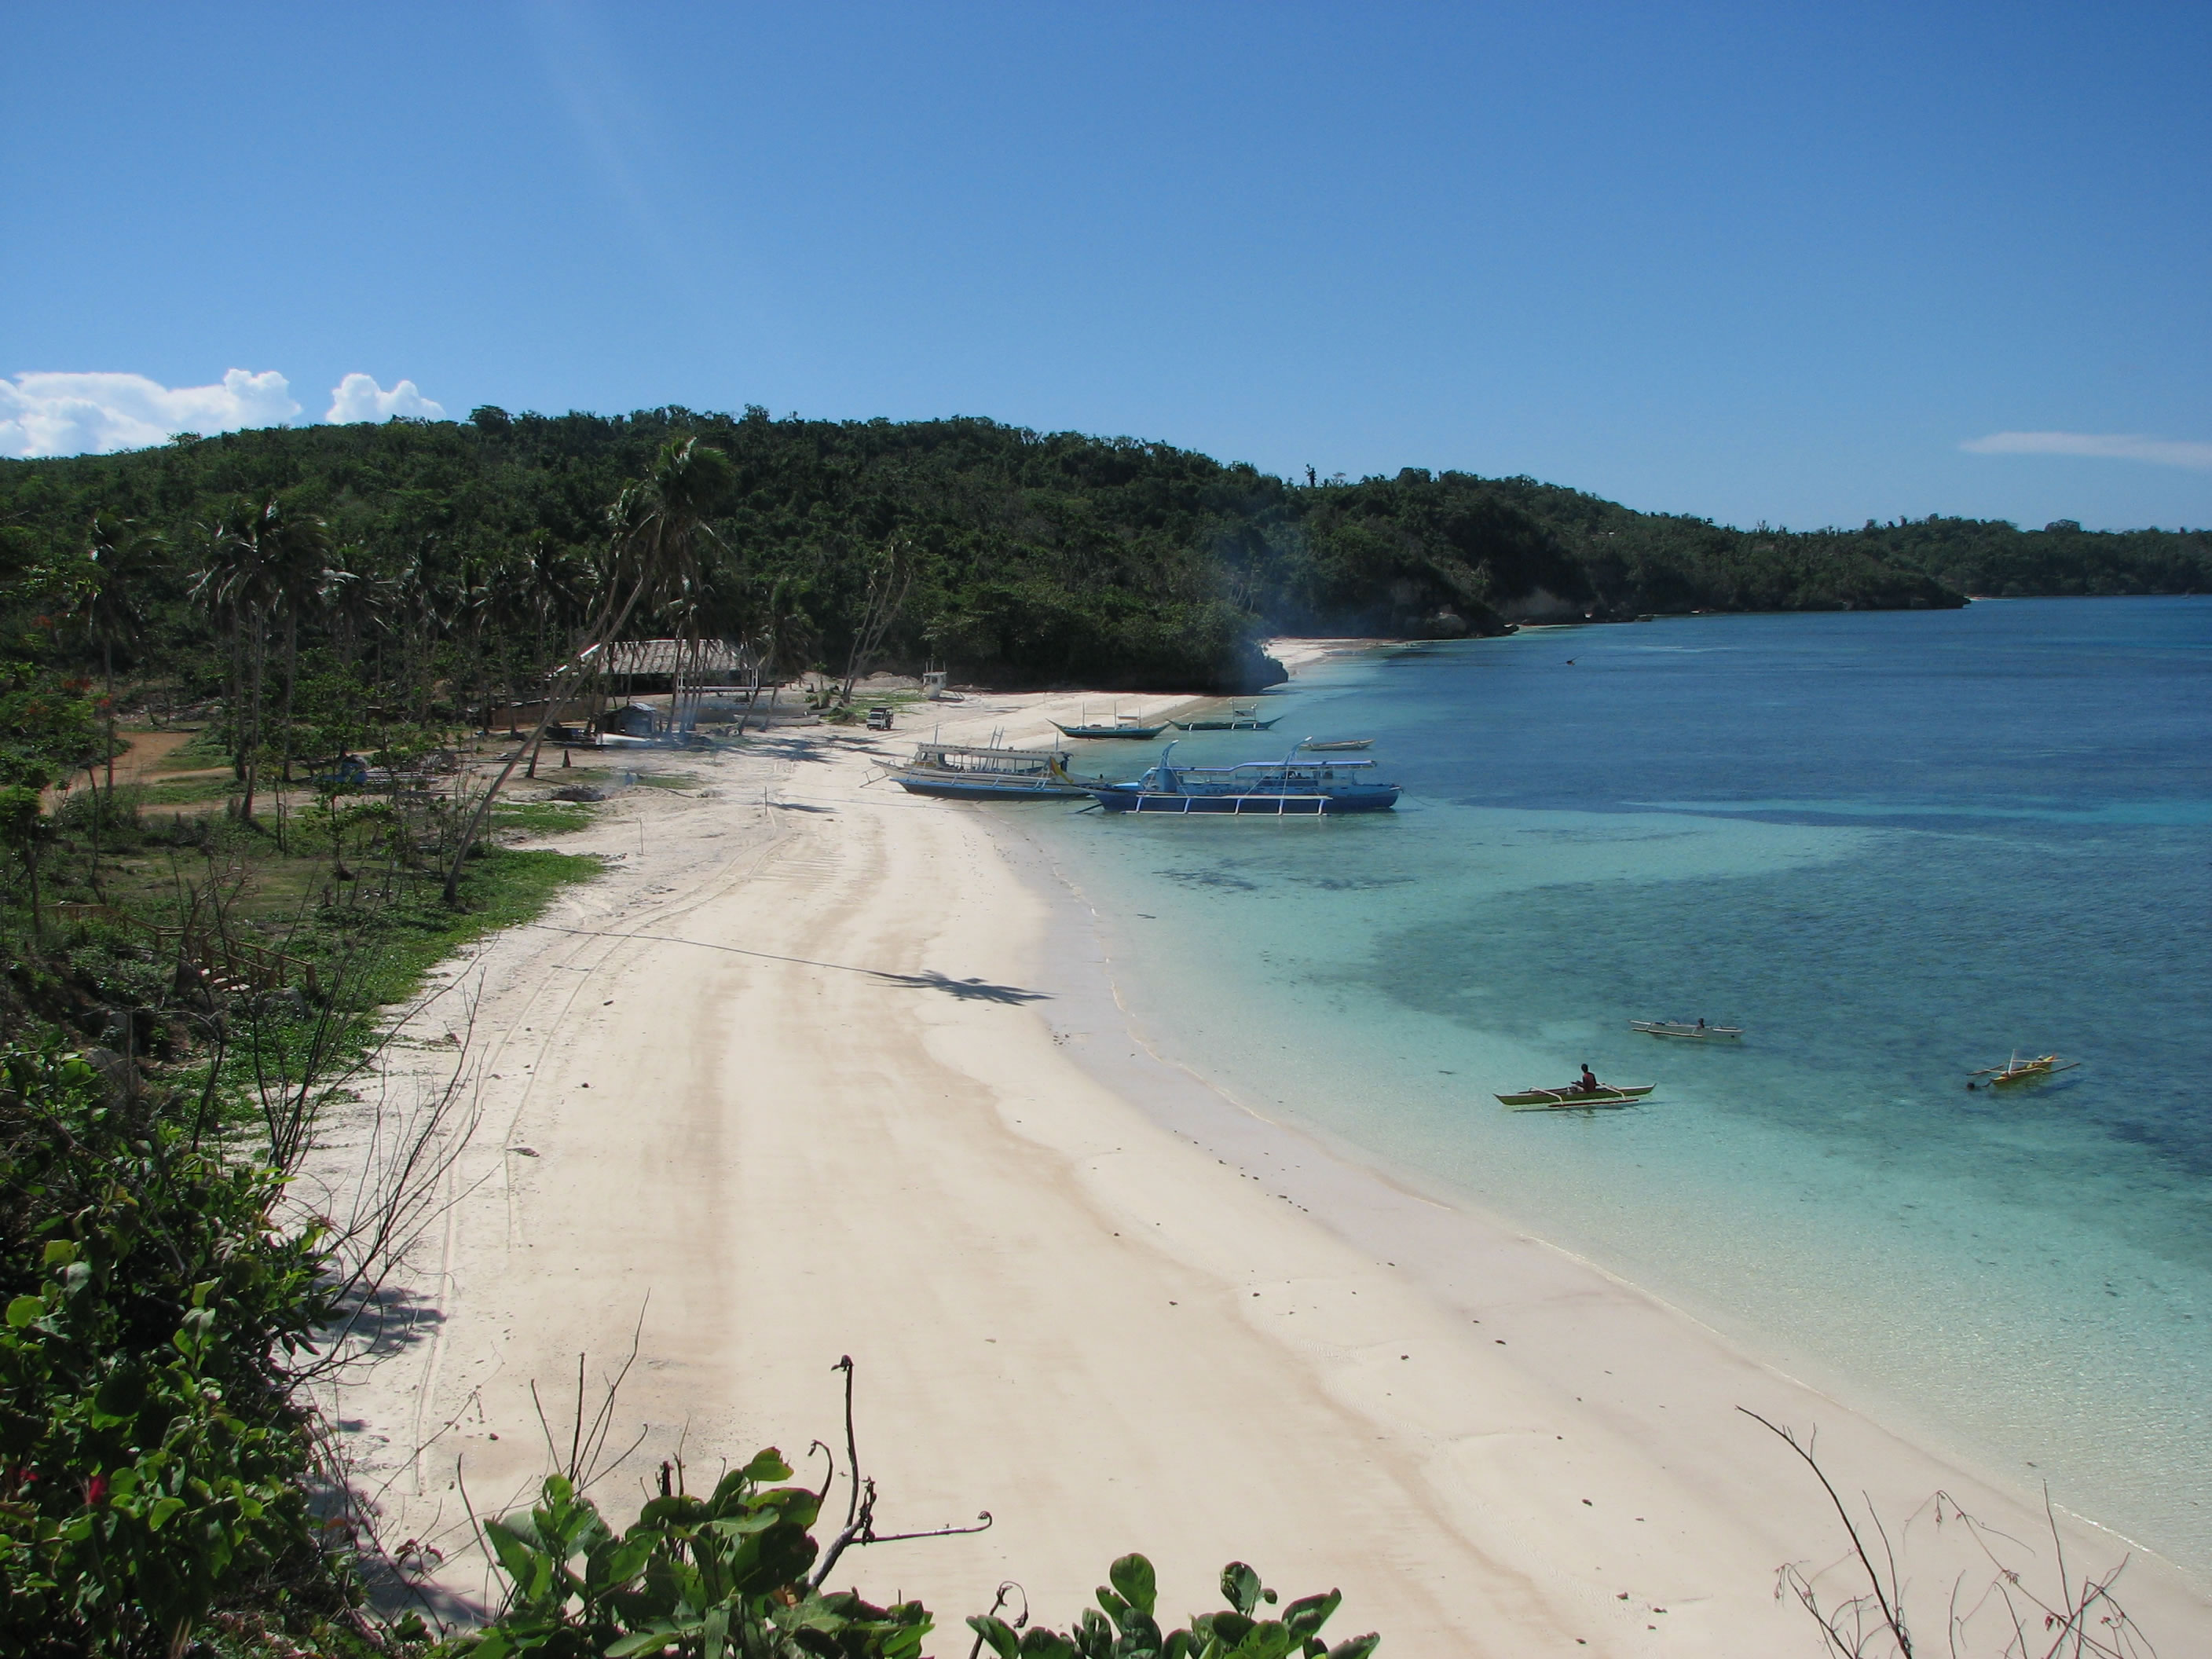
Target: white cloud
x=2100, y=445
x=69, y=414
x=358, y=397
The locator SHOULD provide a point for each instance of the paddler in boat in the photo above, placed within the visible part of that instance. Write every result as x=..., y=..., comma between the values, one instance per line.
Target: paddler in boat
x=1587, y=1081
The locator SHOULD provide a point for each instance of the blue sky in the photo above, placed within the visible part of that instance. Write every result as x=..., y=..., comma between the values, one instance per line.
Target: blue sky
x=1775, y=261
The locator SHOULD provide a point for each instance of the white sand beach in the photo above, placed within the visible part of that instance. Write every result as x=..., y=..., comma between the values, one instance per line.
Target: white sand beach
x=821, y=1069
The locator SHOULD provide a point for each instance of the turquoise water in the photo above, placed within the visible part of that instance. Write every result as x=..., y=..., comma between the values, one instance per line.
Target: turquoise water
x=1895, y=849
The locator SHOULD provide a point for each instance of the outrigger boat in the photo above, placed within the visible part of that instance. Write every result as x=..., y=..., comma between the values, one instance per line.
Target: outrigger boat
x=1574, y=1095
x=1124, y=725
x=1336, y=745
x=1236, y=720
x=1699, y=1032
x=2017, y=1070
x=961, y=772
x=1284, y=789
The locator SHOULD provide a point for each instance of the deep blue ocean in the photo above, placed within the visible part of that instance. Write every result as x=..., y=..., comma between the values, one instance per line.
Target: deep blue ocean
x=1894, y=848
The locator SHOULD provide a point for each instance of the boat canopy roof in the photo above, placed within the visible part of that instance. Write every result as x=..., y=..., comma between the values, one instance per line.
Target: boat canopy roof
x=1329, y=764
x=975, y=758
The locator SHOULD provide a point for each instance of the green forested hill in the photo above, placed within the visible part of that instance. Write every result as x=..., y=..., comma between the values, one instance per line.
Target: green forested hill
x=1029, y=558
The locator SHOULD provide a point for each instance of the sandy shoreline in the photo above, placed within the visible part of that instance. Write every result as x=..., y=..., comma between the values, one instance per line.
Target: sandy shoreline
x=822, y=1069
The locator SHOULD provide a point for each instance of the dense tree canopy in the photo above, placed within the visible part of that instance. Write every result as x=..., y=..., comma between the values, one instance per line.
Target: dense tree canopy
x=1032, y=558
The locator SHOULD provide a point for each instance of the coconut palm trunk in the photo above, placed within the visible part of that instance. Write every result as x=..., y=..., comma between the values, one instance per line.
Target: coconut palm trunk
x=656, y=525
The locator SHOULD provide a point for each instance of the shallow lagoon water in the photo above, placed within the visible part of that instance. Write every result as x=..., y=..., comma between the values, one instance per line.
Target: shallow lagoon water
x=1895, y=848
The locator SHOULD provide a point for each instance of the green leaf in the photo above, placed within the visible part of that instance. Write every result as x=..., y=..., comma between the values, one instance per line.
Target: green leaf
x=1305, y=1616
x=517, y=1560
x=677, y=1510
x=998, y=1633
x=1240, y=1587
x=766, y=1467
x=646, y=1641
x=1358, y=1648
x=743, y=1526
x=119, y=1397
x=60, y=1252
x=1139, y=1635
x=24, y=1309
x=1230, y=1629
x=1037, y=1643
x=162, y=1509
x=1132, y=1577
x=612, y=1565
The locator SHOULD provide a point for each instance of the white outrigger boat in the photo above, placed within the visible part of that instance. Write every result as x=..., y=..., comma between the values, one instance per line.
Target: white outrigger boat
x=967, y=772
x=1574, y=1096
x=1699, y=1032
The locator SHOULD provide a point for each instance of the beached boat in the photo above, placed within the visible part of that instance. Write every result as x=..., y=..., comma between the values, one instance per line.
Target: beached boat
x=1232, y=722
x=962, y=772
x=1699, y=1032
x=1286, y=788
x=2017, y=1071
x=1336, y=745
x=1123, y=726
x=1574, y=1095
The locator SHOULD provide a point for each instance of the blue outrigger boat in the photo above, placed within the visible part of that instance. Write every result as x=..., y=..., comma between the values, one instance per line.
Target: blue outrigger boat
x=1285, y=788
x=1241, y=720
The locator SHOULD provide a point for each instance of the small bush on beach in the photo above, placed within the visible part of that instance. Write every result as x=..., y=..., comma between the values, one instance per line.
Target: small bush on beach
x=739, y=1572
x=729, y=1574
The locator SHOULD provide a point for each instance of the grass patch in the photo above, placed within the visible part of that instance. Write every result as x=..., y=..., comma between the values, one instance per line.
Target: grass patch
x=185, y=792
x=541, y=817
x=203, y=748
x=415, y=931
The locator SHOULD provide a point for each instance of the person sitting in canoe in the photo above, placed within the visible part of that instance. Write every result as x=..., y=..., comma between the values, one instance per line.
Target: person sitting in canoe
x=1587, y=1081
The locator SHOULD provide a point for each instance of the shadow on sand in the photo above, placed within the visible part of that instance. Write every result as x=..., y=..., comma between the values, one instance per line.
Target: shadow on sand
x=968, y=990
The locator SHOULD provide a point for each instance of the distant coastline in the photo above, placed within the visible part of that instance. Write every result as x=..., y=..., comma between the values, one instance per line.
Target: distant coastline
x=1031, y=560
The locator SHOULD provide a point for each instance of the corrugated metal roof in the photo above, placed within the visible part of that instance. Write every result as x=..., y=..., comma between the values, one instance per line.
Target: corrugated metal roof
x=694, y=659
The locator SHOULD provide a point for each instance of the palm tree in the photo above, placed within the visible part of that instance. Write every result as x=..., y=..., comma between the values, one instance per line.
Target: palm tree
x=263, y=562
x=227, y=586
x=561, y=587
x=657, y=526
x=297, y=550
x=126, y=557
x=783, y=642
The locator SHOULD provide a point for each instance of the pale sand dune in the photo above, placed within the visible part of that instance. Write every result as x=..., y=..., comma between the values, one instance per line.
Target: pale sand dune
x=834, y=1108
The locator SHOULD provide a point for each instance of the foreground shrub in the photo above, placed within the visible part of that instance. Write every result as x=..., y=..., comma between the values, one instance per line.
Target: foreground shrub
x=151, y=1466
x=736, y=1574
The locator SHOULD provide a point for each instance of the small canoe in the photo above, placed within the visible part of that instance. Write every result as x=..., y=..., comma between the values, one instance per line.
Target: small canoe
x=1229, y=723
x=1574, y=1096
x=1337, y=745
x=1675, y=1028
x=2017, y=1071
